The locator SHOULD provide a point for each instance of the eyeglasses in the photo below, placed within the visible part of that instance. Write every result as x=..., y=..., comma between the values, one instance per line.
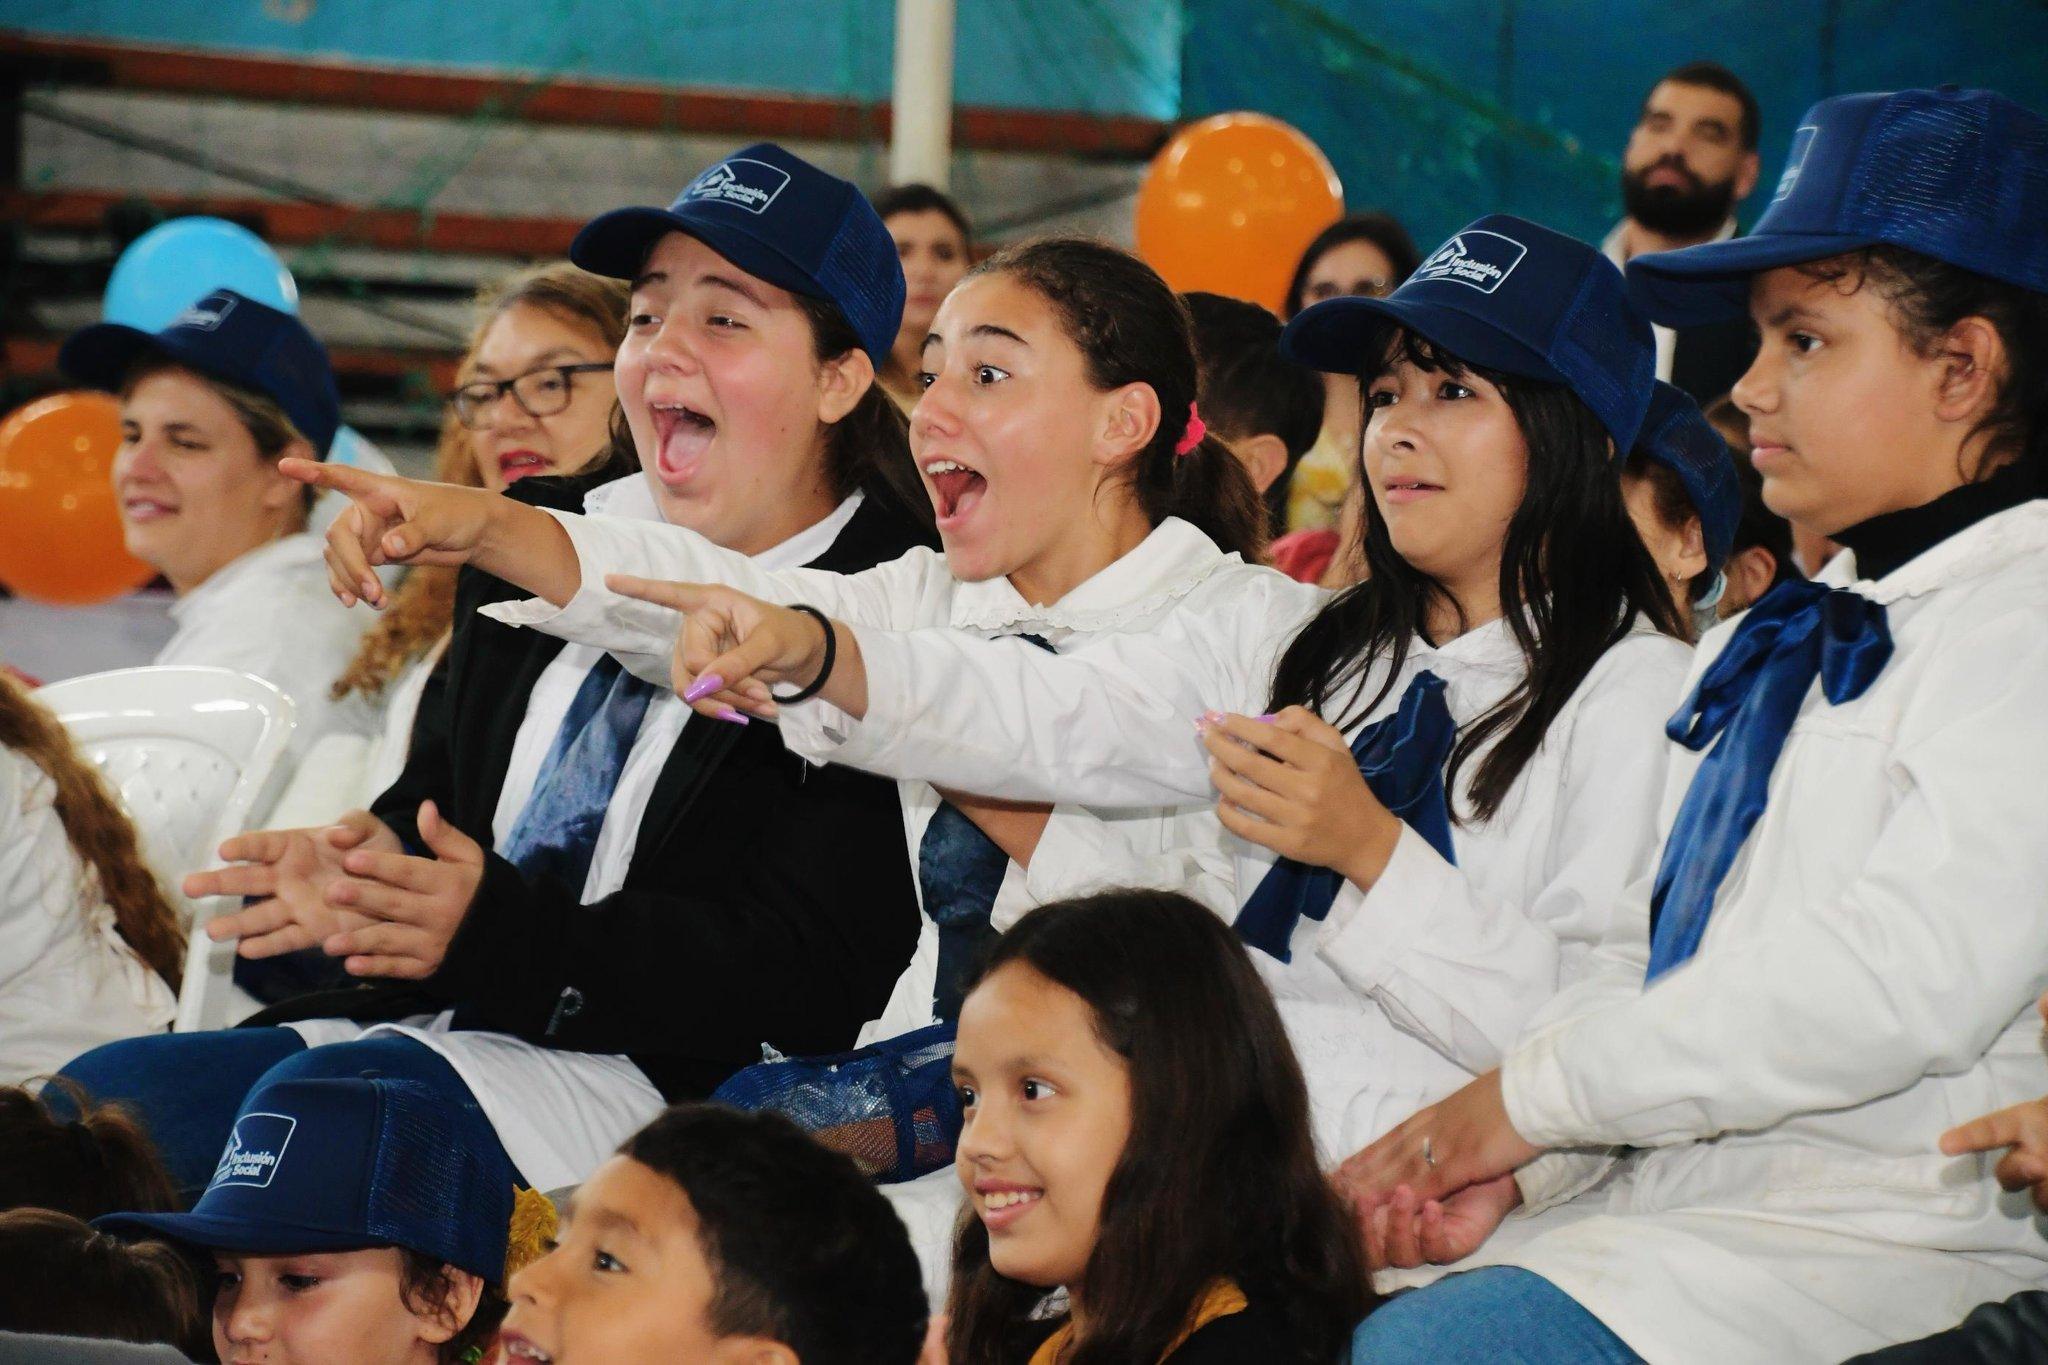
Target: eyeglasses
x=539, y=393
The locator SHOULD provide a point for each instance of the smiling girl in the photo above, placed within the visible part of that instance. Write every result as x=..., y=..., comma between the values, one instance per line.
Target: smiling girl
x=210, y=406
x=1137, y=1136
x=1849, y=916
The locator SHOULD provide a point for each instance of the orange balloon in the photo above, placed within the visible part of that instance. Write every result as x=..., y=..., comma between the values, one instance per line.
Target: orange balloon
x=1231, y=202
x=60, y=528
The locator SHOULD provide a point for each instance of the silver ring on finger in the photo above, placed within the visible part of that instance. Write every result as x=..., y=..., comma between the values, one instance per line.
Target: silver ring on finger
x=1429, y=1152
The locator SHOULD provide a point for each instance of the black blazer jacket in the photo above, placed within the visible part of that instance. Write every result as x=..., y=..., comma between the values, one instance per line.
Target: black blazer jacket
x=768, y=901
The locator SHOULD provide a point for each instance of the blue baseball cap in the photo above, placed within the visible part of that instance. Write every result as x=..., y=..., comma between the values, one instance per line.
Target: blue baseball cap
x=1505, y=294
x=1679, y=437
x=1959, y=175
x=341, y=1164
x=226, y=336
x=774, y=215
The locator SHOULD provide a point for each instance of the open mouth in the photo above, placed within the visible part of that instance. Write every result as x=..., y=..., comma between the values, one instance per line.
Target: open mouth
x=515, y=465
x=1000, y=1207
x=1410, y=490
x=138, y=509
x=956, y=489
x=682, y=435
x=517, y=1347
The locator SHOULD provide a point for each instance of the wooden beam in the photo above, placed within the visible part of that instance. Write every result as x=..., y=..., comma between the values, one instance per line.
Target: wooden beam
x=294, y=224
x=23, y=356
x=552, y=100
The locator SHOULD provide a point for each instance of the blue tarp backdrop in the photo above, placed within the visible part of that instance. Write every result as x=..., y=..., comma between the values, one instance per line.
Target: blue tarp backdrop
x=1435, y=109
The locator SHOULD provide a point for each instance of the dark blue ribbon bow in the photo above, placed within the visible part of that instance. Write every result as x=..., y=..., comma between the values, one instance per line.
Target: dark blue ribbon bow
x=1752, y=692
x=1402, y=760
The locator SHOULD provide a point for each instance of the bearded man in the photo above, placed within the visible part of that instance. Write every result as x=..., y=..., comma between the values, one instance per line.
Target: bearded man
x=1691, y=159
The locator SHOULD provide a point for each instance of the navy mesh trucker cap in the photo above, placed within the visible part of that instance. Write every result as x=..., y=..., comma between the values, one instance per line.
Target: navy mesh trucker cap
x=230, y=337
x=1509, y=295
x=774, y=215
x=1959, y=175
x=343, y=1164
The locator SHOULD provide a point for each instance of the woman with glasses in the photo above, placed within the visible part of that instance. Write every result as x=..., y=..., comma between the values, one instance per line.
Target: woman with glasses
x=533, y=395
x=1363, y=254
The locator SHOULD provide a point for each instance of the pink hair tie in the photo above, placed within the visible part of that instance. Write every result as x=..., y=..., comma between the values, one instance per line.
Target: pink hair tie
x=1192, y=437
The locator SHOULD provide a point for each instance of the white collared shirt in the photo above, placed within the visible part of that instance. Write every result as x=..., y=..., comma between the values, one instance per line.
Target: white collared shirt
x=1614, y=247
x=1867, y=980
x=270, y=613
x=1177, y=844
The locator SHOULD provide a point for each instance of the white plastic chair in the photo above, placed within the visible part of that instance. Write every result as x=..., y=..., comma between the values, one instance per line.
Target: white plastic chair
x=189, y=751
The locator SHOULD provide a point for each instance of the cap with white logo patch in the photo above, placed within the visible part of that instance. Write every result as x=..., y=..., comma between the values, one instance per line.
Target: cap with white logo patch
x=1959, y=175
x=778, y=217
x=1509, y=295
x=347, y=1163
x=225, y=336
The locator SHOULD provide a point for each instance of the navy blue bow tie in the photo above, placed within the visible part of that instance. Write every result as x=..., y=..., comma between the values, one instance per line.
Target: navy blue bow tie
x=1748, y=698
x=1402, y=760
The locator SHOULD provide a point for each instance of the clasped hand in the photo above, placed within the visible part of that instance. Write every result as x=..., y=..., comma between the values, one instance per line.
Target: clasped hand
x=1290, y=783
x=349, y=889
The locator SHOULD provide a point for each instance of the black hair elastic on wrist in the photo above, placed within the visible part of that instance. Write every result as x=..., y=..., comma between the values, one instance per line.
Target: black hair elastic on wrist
x=831, y=656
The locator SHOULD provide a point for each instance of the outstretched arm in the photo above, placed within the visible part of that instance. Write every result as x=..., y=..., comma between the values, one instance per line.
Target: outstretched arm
x=391, y=520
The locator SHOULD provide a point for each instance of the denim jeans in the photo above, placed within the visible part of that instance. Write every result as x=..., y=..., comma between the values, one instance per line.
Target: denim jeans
x=1499, y=1315
x=188, y=1087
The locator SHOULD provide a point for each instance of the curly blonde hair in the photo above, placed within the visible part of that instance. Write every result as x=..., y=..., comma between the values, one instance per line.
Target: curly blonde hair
x=423, y=609
x=99, y=831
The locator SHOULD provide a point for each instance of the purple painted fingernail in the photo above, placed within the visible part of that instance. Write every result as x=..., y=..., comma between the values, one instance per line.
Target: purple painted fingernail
x=704, y=687
x=728, y=714
x=1269, y=718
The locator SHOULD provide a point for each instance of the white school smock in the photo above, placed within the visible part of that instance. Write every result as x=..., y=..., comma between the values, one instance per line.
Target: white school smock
x=1867, y=980
x=1177, y=845
x=68, y=980
x=1401, y=994
x=270, y=613
x=560, y=1114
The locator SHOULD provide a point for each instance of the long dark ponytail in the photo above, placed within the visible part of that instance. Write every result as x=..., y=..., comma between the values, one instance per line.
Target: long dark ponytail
x=1218, y=1177
x=1574, y=577
x=1133, y=329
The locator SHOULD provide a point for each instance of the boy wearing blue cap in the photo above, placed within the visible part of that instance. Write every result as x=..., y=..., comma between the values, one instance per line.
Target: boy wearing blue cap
x=1685, y=499
x=209, y=407
x=1849, y=915
x=353, y=1220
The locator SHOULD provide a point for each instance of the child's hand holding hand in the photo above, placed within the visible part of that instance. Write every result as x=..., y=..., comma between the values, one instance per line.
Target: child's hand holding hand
x=1291, y=784
x=1403, y=1230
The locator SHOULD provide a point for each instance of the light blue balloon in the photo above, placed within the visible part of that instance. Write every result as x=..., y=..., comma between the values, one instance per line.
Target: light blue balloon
x=174, y=265
x=351, y=448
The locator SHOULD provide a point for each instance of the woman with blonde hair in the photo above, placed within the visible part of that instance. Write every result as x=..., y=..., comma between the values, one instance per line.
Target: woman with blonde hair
x=90, y=947
x=533, y=396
